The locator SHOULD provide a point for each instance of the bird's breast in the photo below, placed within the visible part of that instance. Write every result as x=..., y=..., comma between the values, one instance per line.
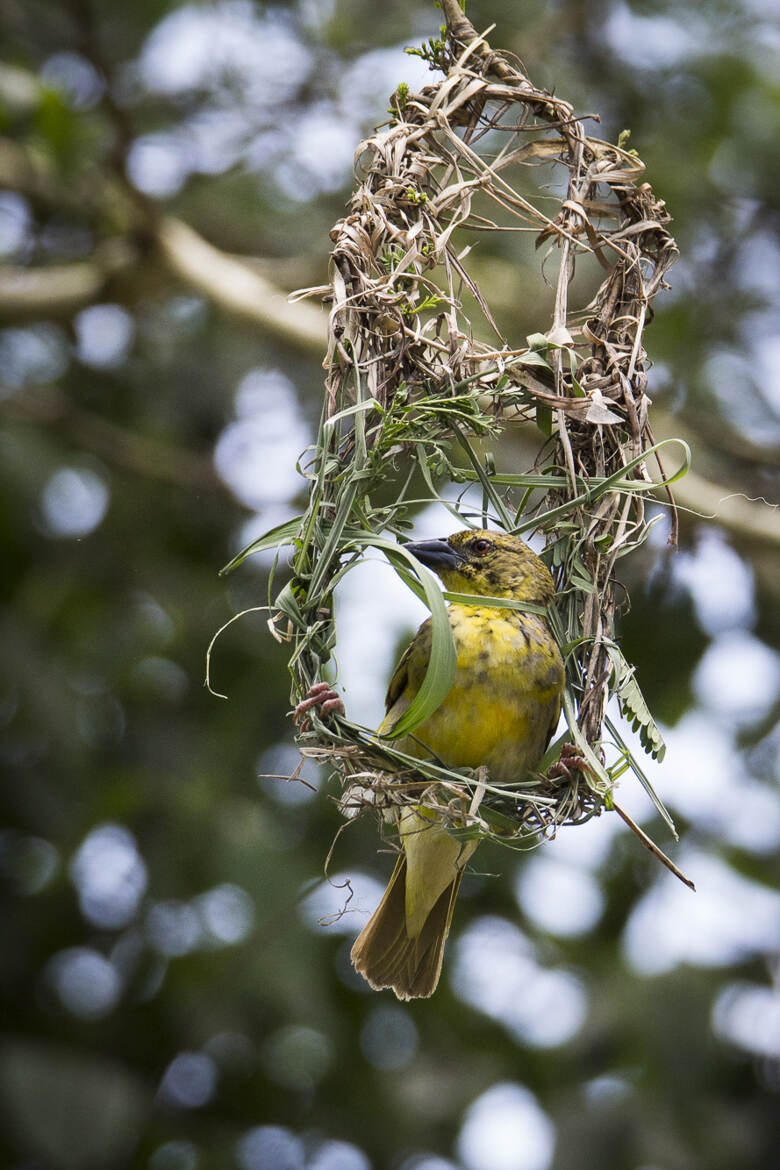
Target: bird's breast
x=505, y=695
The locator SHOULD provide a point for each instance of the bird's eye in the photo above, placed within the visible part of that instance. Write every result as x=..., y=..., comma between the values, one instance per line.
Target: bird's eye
x=482, y=546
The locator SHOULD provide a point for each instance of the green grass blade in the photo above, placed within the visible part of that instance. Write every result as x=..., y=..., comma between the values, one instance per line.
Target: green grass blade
x=643, y=780
x=358, y=408
x=441, y=667
x=495, y=602
x=282, y=534
x=487, y=486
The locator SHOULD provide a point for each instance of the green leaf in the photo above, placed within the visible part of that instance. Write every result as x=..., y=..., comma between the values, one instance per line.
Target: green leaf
x=544, y=419
x=615, y=482
x=533, y=358
x=441, y=667
x=595, y=486
x=358, y=408
x=287, y=603
x=643, y=780
x=494, y=602
x=633, y=706
x=487, y=485
x=274, y=538
x=580, y=576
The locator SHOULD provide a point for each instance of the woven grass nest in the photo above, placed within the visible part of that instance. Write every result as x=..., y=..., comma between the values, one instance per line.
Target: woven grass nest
x=420, y=381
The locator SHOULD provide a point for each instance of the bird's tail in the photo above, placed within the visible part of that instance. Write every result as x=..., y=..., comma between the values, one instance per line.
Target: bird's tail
x=403, y=943
x=386, y=956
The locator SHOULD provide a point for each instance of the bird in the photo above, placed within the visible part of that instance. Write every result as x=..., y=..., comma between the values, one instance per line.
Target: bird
x=499, y=714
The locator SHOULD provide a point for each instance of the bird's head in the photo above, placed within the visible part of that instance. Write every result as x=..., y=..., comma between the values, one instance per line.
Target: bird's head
x=490, y=564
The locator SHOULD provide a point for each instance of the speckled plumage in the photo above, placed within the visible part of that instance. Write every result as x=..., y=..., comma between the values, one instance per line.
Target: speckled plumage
x=505, y=697
x=500, y=712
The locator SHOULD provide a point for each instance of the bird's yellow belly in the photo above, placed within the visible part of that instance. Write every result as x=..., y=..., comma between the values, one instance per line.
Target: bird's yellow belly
x=504, y=699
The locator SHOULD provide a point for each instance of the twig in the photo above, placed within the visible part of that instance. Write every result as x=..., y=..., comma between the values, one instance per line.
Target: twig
x=651, y=845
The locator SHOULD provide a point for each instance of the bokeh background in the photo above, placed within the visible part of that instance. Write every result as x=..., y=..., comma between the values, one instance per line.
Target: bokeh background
x=170, y=999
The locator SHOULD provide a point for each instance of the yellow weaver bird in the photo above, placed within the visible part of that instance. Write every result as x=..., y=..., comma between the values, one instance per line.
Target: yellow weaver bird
x=500, y=713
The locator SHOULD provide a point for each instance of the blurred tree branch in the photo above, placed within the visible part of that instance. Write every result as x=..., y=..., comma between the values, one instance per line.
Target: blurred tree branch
x=231, y=282
x=63, y=288
x=753, y=520
x=139, y=454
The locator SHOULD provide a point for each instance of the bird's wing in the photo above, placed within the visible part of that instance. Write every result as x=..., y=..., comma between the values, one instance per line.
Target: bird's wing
x=407, y=676
x=553, y=723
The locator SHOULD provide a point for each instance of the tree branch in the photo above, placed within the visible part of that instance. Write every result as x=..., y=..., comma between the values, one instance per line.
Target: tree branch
x=230, y=282
x=62, y=288
x=139, y=454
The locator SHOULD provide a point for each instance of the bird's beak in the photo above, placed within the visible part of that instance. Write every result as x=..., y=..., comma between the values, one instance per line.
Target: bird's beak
x=434, y=554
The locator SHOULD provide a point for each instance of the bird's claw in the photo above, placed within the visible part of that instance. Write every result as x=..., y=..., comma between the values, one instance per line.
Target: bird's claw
x=320, y=695
x=569, y=761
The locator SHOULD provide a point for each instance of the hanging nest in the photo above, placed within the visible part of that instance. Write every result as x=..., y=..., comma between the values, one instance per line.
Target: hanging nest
x=419, y=374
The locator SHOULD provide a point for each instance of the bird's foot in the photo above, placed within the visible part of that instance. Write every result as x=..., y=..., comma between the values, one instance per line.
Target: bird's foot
x=320, y=695
x=569, y=761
